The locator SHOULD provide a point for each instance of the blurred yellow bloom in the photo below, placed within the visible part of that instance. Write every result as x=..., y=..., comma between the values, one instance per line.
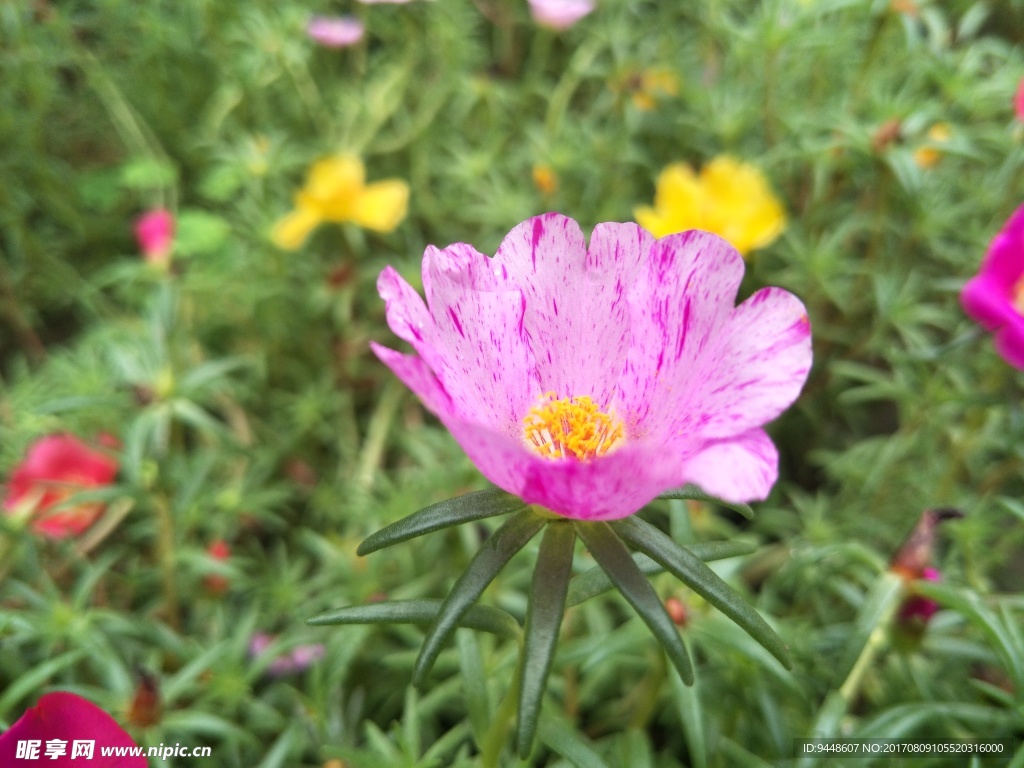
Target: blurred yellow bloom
x=647, y=87
x=545, y=179
x=336, y=190
x=729, y=198
x=928, y=155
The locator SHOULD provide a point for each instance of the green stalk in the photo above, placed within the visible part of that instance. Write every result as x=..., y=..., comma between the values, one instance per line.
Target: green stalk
x=166, y=554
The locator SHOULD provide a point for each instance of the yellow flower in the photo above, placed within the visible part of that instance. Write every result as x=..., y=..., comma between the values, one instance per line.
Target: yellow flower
x=336, y=190
x=545, y=179
x=729, y=198
x=928, y=155
x=647, y=87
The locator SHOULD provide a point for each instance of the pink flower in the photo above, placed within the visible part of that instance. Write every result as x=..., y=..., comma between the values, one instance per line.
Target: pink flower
x=589, y=382
x=559, y=14
x=995, y=296
x=335, y=32
x=299, y=658
x=1018, y=101
x=154, y=232
x=58, y=732
x=55, y=468
x=918, y=607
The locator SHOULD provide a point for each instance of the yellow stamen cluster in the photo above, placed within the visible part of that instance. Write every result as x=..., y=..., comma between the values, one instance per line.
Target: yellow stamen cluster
x=570, y=427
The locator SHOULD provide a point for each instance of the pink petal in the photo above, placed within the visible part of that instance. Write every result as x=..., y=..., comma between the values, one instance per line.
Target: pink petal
x=1018, y=101
x=1004, y=260
x=739, y=469
x=987, y=302
x=577, y=317
x=683, y=294
x=417, y=376
x=335, y=32
x=559, y=14
x=751, y=372
x=1010, y=342
x=67, y=717
x=483, y=361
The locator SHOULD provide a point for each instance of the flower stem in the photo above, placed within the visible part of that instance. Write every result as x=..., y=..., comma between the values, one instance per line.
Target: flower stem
x=166, y=553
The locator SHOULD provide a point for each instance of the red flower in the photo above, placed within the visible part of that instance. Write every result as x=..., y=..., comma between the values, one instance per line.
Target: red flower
x=1018, y=101
x=217, y=583
x=63, y=731
x=55, y=468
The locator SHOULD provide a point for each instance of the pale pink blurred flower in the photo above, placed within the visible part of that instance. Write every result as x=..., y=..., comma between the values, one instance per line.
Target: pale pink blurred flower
x=1018, y=101
x=559, y=14
x=296, y=660
x=154, y=232
x=335, y=31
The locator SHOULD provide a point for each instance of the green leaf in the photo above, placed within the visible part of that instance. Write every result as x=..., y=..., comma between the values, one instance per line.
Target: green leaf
x=543, y=621
x=691, y=716
x=686, y=567
x=482, y=569
x=199, y=232
x=461, y=509
x=479, y=617
x=693, y=493
x=566, y=742
x=595, y=581
x=1004, y=637
x=880, y=604
x=612, y=555
x=474, y=682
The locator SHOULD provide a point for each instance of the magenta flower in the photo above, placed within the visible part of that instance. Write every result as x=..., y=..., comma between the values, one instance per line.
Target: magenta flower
x=995, y=296
x=918, y=607
x=590, y=381
x=559, y=14
x=1018, y=101
x=154, y=232
x=64, y=730
x=335, y=32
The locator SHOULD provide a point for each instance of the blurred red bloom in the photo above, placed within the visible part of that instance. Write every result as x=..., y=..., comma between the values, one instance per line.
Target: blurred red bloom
x=154, y=232
x=995, y=296
x=62, y=728
x=1018, y=101
x=919, y=607
x=217, y=583
x=54, y=469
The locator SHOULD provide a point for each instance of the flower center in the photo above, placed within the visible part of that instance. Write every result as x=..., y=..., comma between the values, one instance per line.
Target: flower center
x=1017, y=296
x=570, y=427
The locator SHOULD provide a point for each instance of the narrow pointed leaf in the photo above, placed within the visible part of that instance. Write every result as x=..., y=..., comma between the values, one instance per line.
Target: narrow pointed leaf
x=595, y=581
x=543, y=620
x=693, y=493
x=479, y=617
x=461, y=509
x=611, y=554
x=689, y=569
x=567, y=742
x=491, y=558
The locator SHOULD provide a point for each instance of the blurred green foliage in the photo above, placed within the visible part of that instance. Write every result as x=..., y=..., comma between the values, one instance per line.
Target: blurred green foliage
x=249, y=408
